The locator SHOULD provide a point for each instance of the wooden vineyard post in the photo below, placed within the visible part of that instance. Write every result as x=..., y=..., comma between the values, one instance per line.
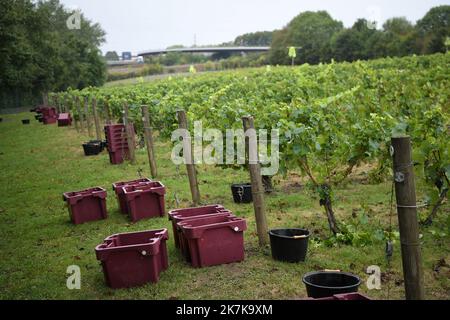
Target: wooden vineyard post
x=107, y=112
x=72, y=110
x=56, y=103
x=45, y=98
x=257, y=185
x=80, y=114
x=64, y=105
x=98, y=131
x=148, y=132
x=189, y=158
x=60, y=104
x=405, y=193
x=87, y=116
x=130, y=133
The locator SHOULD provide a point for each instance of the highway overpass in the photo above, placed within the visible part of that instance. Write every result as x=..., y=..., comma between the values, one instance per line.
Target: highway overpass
x=205, y=50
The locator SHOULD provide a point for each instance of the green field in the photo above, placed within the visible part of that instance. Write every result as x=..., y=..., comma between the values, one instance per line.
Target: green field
x=37, y=241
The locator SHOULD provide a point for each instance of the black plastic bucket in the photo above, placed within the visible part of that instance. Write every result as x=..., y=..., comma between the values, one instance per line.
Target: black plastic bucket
x=92, y=148
x=100, y=142
x=104, y=144
x=242, y=192
x=26, y=121
x=322, y=284
x=289, y=245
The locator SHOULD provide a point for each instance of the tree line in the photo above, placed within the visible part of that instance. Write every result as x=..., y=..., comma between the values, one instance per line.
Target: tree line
x=40, y=53
x=319, y=38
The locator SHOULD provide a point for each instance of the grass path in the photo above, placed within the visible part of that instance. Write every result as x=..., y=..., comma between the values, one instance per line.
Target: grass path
x=37, y=242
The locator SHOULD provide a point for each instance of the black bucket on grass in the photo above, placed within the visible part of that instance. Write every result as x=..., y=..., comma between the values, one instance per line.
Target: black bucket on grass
x=104, y=144
x=92, y=148
x=26, y=121
x=242, y=192
x=289, y=245
x=322, y=284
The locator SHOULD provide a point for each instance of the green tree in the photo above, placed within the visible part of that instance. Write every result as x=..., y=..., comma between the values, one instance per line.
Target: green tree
x=260, y=38
x=312, y=32
x=348, y=46
x=352, y=44
x=70, y=57
x=399, y=26
x=433, y=29
x=112, y=56
x=17, y=70
x=399, y=36
x=279, y=48
x=40, y=53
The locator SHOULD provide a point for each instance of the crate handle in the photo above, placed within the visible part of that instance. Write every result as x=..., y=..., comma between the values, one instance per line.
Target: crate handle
x=330, y=270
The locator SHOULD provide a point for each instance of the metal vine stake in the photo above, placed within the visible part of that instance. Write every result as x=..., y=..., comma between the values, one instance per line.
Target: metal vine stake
x=389, y=250
x=139, y=172
x=240, y=193
x=177, y=200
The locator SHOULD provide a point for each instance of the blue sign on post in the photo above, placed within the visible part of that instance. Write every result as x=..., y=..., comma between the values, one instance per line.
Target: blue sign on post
x=126, y=56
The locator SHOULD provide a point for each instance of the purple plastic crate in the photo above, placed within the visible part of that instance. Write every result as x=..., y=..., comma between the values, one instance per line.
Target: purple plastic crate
x=145, y=201
x=64, y=119
x=344, y=296
x=214, y=240
x=119, y=156
x=133, y=259
x=188, y=213
x=118, y=189
x=86, y=205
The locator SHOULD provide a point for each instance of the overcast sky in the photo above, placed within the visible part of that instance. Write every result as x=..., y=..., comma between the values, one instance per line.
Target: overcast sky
x=137, y=25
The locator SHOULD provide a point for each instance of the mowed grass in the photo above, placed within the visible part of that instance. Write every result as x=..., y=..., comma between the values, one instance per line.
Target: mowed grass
x=37, y=241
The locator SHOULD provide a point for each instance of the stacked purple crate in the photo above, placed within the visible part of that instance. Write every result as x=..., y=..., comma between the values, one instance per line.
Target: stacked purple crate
x=116, y=139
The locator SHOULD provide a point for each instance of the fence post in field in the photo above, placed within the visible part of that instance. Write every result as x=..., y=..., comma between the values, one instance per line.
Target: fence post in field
x=148, y=133
x=130, y=134
x=72, y=111
x=189, y=158
x=64, y=104
x=80, y=114
x=45, y=98
x=98, y=131
x=61, y=104
x=405, y=193
x=56, y=103
x=52, y=100
x=87, y=116
x=107, y=112
x=256, y=180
